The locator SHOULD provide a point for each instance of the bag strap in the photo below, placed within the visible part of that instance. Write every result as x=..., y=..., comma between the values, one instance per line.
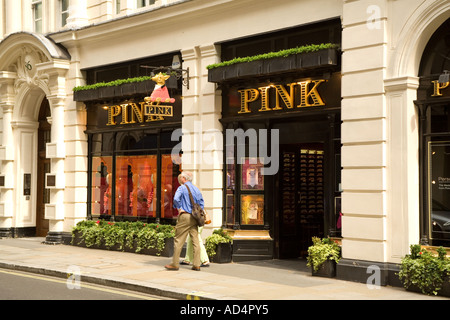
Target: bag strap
x=190, y=195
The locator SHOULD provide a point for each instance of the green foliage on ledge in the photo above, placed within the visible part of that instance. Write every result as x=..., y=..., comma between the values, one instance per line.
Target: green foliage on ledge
x=138, y=235
x=278, y=54
x=211, y=243
x=114, y=83
x=425, y=270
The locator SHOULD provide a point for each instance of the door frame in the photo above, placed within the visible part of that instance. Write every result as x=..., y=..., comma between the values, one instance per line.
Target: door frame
x=329, y=137
x=43, y=167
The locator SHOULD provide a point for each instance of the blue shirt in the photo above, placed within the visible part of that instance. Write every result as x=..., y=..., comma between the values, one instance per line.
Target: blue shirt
x=182, y=201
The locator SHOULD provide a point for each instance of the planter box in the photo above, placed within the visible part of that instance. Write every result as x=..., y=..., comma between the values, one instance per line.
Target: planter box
x=216, y=74
x=267, y=67
x=127, y=89
x=316, y=59
x=223, y=253
x=279, y=65
x=106, y=92
x=327, y=269
x=444, y=292
x=249, y=69
x=86, y=95
x=166, y=252
x=145, y=87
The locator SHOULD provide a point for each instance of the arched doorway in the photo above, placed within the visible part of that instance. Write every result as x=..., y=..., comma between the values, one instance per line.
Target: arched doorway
x=434, y=108
x=33, y=82
x=43, y=166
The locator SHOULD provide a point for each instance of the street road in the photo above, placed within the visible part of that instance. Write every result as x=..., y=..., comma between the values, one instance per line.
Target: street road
x=16, y=285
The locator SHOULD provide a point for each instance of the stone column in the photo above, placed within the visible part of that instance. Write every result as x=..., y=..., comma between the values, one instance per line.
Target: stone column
x=55, y=211
x=202, y=139
x=7, y=98
x=403, y=166
x=364, y=131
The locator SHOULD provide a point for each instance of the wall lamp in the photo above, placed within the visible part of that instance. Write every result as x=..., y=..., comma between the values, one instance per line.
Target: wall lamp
x=444, y=78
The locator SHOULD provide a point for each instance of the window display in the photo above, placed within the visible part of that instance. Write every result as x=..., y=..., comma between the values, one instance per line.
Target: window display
x=136, y=179
x=230, y=209
x=129, y=168
x=252, y=208
x=244, y=195
x=169, y=184
x=230, y=192
x=101, y=185
x=439, y=186
x=252, y=178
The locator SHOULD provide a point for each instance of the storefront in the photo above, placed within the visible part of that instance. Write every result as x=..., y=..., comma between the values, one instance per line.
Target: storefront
x=281, y=145
x=367, y=123
x=433, y=102
x=131, y=171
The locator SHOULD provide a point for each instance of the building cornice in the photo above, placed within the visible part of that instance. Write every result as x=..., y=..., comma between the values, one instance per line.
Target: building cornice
x=179, y=13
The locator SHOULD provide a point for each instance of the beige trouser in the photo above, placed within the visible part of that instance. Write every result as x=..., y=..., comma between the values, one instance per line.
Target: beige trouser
x=186, y=224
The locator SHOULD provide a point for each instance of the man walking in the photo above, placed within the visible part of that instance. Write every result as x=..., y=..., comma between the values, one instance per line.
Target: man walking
x=186, y=224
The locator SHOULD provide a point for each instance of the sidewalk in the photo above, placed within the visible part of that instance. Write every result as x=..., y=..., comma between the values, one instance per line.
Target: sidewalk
x=263, y=280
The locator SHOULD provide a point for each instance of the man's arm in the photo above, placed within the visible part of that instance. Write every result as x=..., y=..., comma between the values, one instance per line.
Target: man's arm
x=177, y=199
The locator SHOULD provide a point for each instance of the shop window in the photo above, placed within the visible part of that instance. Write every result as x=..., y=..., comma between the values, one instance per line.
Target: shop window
x=133, y=175
x=169, y=184
x=230, y=178
x=136, y=178
x=436, y=206
x=433, y=110
x=252, y=179
x=439, y=187
x=245, y=182
x=101, y=185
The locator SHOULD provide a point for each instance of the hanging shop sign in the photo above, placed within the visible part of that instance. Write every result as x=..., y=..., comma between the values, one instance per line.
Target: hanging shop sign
x=155, y=107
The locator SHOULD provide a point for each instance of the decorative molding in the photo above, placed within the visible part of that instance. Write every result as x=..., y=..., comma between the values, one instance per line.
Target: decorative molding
x=401, y=83
x=26, y=68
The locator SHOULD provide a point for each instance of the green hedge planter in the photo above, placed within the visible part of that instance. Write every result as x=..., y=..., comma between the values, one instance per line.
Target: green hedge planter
x=272, y=65
x=136, y=237
x=119, y=88
x=77, y=240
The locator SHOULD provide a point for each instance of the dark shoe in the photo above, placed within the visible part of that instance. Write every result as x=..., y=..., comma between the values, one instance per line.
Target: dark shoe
x=170, y=267
x=185, y=263
x=205, y=265
x=196, y=268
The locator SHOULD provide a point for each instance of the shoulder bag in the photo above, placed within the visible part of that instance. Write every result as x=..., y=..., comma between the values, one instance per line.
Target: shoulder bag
x=197, y=211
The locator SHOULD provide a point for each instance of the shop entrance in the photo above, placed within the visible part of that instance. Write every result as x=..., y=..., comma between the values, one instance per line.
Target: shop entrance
x=301, y=197
x=307, y=185
x=43, y=194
